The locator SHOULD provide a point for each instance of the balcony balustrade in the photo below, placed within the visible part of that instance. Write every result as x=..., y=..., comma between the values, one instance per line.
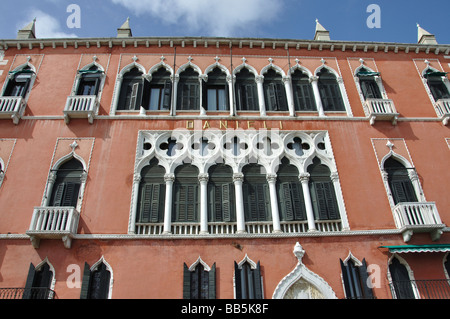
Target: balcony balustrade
x=418, y=217
x=53, y=223
x=420, y=289
x=82, y=106
x=443, y=110
x=381, y=109
x=12, y=107
x=27, y=293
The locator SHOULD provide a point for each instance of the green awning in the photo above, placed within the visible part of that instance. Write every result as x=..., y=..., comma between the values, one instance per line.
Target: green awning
x=437, y=74
x=438, y=248
x=89, y=71
x=367, y=73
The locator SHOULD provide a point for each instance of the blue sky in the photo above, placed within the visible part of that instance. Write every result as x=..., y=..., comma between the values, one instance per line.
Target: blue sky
x=287, y=19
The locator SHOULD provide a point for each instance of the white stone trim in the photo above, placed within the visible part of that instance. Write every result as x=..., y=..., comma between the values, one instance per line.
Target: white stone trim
x=301, y=272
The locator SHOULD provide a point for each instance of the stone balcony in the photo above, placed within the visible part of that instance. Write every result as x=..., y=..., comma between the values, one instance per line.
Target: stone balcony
x=443, y=110
x=81, y=106
x=381, y=109
x=12, y=107
x=53, y=223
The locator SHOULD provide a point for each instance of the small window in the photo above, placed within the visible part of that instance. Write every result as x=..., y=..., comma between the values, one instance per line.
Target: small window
x=356, y=280
x=90, y=80
x=275, y=93
x=38, y=282
x=221, y=198
x=186, y=194
x=189, y=90
x=246, y=91
x=330, y=92
x=437, y=86
x=67, y=185
x=400, y=184
x=290, y=193
x=160, y=91
x=248, y=281
x=369, y=86
x=96, y=283
x=256, y=194
x=401, y=282
x=323, y=195
x=303, y=92
x=151, y=194
x=199, y=283
x=19, y=85
x=217, y=91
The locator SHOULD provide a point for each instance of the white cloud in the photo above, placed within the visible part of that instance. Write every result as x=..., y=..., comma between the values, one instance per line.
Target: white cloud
x=47, y=26
x=208, y=17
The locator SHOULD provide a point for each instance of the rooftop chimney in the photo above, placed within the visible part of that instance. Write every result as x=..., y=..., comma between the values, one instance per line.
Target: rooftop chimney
x=322, y=34
x=125, y=31
x=28, y=32
x=424, y=37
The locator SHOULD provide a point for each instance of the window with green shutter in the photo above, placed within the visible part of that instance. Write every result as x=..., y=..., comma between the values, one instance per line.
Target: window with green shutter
x=437, y=86
x=188, y=90
x=131, y=92
x=356, y=280
x=19, y=84
x=399, y=182
x=96, y=283
x=329, y=90
x=303, y=92
x=38, y=282
x=221, y=198
x=186, y=194
x=66, y=188
x=199, y=283
x=274, y=92
x=159, y=95
x=246, y=91
x=323, y=195
x=291, y=202
x=247, y=281
x=256, y=194
x=152, y=191
x=90, y=81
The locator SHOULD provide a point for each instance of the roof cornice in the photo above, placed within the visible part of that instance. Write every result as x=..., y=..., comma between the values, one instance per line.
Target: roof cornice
x=136, y=42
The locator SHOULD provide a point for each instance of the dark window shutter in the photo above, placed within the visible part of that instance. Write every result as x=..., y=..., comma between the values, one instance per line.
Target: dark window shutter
x=86, y=283
x=237, y=281
x=257, y=282
x=367, y=290
x=298, y=201
x=271, y=97
x=167, y=95
x=401, y=280
x=58, y=197
x=325, y=201
x=146, y=203
x=287, y=207
x=212, y=282
x=346, y=279
x=99, y=285
x=370, y=89
x=27, y=294
x=71, y=192
x=186, y=282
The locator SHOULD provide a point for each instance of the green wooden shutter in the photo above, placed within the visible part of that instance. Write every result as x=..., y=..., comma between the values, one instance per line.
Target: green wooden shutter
x=346, y=279
x=27, y=294
x=298, y=201
x=86, y=283
x=281, y=97
x=58, y=197
x=70, y=197
x=192, y=203
x=367, y=290
x=146, y=203
x=403, y=191
x=257, y=282
x=212, y=282
x=186, y=282
x=271, y=97
x=237, y=281
x=228, y=202
x=287, y=208
x=167, y=95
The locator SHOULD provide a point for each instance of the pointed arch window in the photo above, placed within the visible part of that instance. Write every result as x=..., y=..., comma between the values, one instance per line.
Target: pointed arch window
x=402, y=188
x=131, y=91
x=186, y=194
x=330, y=92
x=274, y=92
x=303, y=92
x=323, y=195
x=356, y=279
x=160, y=88
x=256, y=194
x=246, y=91
x=96, y=282
x=290, y=194
x=90, y=80
x=200, y=282
x=221, y=196
x=189, y=90
x=216, y=91
x=368, y=84
x=152, y=191
x=19, y=83
x=437, y=86
x=67, y=186
x=248, y=281
x=401, y=285
x=38, y=282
